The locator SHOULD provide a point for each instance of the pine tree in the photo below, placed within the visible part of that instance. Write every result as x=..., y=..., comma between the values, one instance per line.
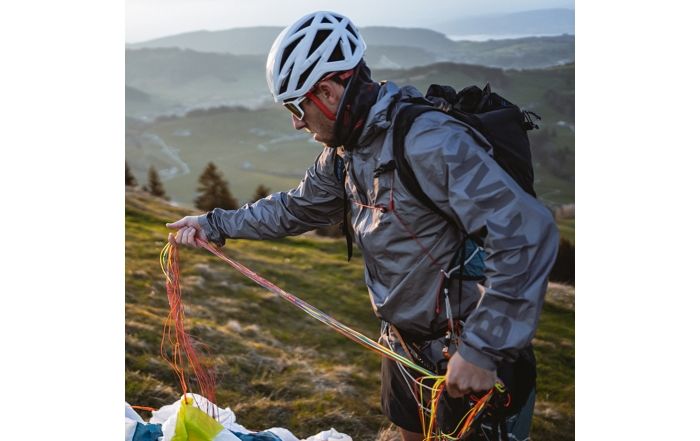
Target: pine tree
x=213, y=191
x=261, y=192
x=155, y=187
x=130, y=179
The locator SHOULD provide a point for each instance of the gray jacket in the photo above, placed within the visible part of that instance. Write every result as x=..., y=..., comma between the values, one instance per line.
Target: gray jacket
x=405, y=245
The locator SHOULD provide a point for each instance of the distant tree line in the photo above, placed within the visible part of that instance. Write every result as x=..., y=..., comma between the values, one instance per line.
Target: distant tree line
x=154, y=186
x=212, y=191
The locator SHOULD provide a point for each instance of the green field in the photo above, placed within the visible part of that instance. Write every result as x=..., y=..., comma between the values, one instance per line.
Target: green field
x=249, y=147
x=253, y=147
x=275, y=365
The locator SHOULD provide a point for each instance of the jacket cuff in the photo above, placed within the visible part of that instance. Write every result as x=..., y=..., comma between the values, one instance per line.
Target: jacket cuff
x=212, y=234
x=475, y=357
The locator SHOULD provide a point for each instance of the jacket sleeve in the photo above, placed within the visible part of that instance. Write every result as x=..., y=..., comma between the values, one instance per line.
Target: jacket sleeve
x=456, y=170
x=316, y=202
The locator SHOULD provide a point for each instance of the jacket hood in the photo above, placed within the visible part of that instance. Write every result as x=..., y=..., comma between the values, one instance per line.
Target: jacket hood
x=380, y=114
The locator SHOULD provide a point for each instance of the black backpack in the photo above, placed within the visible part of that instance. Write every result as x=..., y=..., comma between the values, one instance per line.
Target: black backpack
x=501, y=122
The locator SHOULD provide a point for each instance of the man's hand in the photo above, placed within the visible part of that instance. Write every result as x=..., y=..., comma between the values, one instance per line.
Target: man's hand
x=464, y=378
x=188, y=229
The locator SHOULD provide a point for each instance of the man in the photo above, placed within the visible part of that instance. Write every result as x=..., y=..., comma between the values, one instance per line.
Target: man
x=315, y=68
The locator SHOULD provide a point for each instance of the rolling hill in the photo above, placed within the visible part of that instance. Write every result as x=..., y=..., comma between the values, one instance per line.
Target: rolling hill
x=535, y=22
x=183, y=79
x=196, y=70
x=238, y=41
x=258, y=40
x=258, y=146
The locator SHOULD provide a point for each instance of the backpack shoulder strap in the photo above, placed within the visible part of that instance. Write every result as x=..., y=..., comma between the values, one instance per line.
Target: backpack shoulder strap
x=402, y=124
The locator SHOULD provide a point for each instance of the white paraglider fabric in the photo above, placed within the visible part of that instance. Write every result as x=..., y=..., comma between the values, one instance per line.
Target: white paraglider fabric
x=166, y=417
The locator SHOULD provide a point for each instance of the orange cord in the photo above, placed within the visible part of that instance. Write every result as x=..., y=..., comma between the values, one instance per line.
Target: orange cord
x=146, y=408
x=177, y=346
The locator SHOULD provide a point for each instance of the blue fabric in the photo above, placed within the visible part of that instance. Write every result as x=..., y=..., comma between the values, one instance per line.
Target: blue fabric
x=257, y=436
x=147, y=432
x=475, y=268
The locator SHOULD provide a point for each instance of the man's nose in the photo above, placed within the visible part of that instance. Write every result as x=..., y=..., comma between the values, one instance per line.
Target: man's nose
x=298, y=123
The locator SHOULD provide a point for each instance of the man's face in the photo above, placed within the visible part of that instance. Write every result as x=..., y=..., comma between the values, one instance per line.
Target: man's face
x=314, y=121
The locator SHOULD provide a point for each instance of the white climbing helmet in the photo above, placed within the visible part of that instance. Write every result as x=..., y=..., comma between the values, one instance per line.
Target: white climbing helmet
x=315, y=45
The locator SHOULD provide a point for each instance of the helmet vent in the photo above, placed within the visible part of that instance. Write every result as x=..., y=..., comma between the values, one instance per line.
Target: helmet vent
x=351, y=30
x=307, y=72
x=319, y=38
x=288, y=50
x=306, y=24
x=325, y=20
x=337, y=54
x=283, y=86
x=352, y=46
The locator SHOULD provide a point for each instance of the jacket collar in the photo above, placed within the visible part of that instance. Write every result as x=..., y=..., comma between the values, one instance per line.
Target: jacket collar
x=379, y=115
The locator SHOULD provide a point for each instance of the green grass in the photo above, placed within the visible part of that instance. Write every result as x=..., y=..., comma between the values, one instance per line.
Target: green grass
x=275, y=365
x=567, y=229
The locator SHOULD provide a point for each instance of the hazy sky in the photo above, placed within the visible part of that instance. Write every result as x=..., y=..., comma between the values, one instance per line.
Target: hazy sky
x=146, y=19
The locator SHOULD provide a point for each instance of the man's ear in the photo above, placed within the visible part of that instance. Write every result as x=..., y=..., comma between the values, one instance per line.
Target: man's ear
x=330, y=91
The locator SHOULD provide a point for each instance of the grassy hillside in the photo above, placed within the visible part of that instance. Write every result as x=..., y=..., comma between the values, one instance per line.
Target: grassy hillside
x=253, y=147
x=275, y=365
x=518, y=53
x=186, y=78
x=249, y=147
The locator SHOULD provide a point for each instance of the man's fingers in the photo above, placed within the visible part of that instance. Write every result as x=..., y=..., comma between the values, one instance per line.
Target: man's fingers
x=453, y=388
x=452, y=391
x=456, y=390
x=176, y=224
x=187, y=221
x=190, y=236
x=188, y=231
x=178, y=236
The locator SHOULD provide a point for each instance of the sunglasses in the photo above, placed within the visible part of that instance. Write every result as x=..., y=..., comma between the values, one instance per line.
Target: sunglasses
x=294, y=106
